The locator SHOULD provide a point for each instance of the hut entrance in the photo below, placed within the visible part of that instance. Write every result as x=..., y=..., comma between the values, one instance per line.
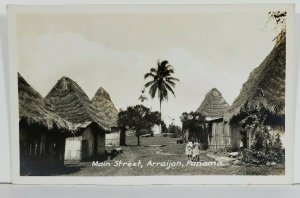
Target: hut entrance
x=244, y=139
x=96, y=145
x=85, y=149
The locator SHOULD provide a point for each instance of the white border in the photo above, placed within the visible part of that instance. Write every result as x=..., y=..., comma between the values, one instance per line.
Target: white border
x=297, y=117
x=142, y=180
x=4, y=135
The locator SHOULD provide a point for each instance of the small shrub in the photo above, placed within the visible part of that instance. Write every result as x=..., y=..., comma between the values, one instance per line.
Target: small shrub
x=256, y=157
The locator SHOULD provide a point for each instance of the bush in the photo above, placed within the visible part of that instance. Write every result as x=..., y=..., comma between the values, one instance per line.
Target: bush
x=277, y=142
x=255, y=157
x=175, y=130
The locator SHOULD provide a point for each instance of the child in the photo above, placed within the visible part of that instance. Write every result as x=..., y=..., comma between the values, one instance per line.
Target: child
x=196, y=151
x=189, y=150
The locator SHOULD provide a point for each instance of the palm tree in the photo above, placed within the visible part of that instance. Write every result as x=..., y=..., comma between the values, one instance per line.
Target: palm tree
x=161, y=81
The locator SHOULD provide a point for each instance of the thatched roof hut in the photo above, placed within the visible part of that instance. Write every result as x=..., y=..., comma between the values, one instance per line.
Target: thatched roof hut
x=103, y=103
x=265, y=87
x=71, y=103
x=33, y=109
x=213, y=105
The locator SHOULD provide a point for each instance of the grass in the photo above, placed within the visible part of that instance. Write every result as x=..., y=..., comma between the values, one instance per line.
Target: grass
x=164, y=150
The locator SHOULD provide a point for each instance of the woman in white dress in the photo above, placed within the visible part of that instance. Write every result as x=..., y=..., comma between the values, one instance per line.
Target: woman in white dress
x=196, y=151
x=189, y=150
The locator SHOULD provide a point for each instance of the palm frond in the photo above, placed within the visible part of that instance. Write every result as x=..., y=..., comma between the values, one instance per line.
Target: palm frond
x=172, y=78
x=153, y=89
x=170, y=89
x=153, y=70
x=163, y=93
x=171, y=83
x=164, y=63
x=162, y=81
x=168, y=72
x=149, y=75
x=149, y=83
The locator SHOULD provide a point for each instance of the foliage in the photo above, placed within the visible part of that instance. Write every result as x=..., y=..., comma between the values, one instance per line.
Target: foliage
x=262, y=157
x=279, y=17
x=138, y=118
x=176, y=130
x=277, y=145
x=164, y=128
x=192, y=121
x=265, y=147
x=161, y=81
x=254, y=124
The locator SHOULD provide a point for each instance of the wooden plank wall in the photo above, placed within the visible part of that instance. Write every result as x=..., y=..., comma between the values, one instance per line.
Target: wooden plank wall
x=220, y=136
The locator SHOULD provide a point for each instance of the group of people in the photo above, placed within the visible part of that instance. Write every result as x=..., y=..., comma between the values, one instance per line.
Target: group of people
x=192, y=150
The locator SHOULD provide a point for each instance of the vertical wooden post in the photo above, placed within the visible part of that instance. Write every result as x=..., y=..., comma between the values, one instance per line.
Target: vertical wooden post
x=122, y=136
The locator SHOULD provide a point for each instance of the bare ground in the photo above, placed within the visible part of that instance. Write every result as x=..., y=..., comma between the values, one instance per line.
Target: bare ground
x=165, y=150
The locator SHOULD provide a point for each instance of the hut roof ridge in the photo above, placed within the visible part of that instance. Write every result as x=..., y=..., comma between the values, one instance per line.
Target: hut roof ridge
x=34, y=109
x=265, y=86
x=213, y=104
x=104, y=104
x=73, y=104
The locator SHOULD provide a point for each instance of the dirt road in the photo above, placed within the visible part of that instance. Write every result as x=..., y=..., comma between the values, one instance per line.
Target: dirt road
x=162, y=156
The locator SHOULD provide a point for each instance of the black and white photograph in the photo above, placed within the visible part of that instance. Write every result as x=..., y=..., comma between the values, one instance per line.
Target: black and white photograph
x=150, y=90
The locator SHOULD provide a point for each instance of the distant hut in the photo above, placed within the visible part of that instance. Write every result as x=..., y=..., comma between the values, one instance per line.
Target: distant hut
x=214, y=133
x=104, y=104
x=264, y=91
x=71, y=103
x=42, y=132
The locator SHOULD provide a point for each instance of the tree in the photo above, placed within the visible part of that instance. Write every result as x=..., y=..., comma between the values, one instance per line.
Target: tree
x=164, y=128
x=176, y=130
x=162, y=82
x=138, y=118
x=193, y=122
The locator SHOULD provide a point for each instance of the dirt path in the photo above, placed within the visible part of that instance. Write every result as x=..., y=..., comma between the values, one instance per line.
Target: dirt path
x=165, y=151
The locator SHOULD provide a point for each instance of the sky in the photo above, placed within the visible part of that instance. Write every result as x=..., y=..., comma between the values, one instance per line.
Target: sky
x=115, y=50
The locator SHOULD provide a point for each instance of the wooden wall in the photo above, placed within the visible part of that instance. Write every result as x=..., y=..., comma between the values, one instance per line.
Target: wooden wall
x=73, y=149
x=101, y=144
x=39, y=144
x=112, y=139
x=90, y=144
x=220, y=137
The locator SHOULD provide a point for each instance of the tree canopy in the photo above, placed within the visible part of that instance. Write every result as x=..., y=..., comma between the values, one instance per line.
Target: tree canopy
x=192, y=121
x=138, y=118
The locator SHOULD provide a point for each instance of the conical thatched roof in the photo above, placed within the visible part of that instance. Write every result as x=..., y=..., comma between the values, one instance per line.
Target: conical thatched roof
x=71, y=103
x=213, y=105
x=103, y=103
x=265, y=87
x=33, y=109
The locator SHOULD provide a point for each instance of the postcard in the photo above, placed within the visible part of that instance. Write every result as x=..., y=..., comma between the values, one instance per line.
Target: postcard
x=152, y=94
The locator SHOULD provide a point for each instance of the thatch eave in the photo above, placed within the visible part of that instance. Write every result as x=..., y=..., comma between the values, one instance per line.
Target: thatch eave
x=265, y=88
x=104, y=105
x=33, y=109
x=71, y=103
x=213, y=105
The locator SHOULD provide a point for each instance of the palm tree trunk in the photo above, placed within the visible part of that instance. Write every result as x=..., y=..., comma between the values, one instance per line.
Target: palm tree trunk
x=123, y=136
x=160, y=118
x=138, y=139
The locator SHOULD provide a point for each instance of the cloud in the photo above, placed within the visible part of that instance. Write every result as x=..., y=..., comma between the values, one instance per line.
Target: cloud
x=91, y=64
x=207, y=51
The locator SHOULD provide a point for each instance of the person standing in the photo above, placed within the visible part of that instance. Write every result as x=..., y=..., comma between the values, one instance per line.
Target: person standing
x=189, y=150
x=196, y=151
